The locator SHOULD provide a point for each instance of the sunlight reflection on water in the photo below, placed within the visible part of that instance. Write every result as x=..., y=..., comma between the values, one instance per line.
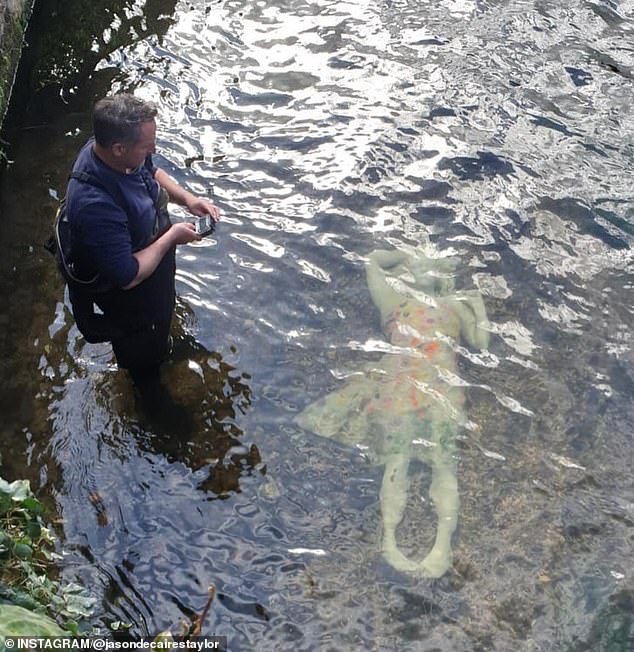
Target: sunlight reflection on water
x=323, y=130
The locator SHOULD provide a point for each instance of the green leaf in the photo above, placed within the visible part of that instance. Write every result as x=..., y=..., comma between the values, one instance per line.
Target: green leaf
x=73, y=600
x=118, y=626
x=6, y=504
x=23, y=551
x=6, y=543
x=72, y=627
x=34, y=505
x=33, y=529
x=164, y=639
x=18, y=490
x=17, y=621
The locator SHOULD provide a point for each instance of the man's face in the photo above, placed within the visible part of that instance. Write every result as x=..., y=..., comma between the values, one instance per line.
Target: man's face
x=135, y=153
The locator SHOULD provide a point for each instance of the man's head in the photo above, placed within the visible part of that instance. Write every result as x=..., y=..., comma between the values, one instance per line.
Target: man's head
x=118, y=119
x=125, y=129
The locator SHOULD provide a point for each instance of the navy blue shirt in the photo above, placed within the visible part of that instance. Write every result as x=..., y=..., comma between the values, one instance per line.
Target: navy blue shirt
x=108, y=227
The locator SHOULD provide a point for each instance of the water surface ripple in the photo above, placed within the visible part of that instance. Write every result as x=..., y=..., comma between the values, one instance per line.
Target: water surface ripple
x=499, y=131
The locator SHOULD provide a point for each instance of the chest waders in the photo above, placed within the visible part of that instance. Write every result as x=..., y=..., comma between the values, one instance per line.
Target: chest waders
x=136, y=321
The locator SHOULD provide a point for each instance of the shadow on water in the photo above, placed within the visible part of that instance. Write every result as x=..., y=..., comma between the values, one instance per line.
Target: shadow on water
x=136, y=471
x=47, y=121
x=70, y=419
x=190, y=413
x=65, y=43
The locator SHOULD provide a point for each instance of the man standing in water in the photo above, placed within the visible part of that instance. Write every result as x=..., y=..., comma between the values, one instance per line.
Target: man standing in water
x=121, y=236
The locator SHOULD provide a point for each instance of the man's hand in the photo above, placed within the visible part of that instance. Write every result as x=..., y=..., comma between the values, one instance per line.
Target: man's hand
x=183, y=233
x=150, y=257
x=200, y=206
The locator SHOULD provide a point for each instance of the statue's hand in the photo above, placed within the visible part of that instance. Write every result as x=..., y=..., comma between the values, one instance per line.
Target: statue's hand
x=385, y=259
x=475, y=327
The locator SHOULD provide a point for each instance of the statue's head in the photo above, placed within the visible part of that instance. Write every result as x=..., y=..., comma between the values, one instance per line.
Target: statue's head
x=429, y=272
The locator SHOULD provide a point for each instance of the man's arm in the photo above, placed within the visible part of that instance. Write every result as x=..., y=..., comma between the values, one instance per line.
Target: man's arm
x=150, y=257
x=195, y=205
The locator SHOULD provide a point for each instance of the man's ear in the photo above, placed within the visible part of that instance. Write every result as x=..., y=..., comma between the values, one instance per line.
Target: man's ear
x=118, y=149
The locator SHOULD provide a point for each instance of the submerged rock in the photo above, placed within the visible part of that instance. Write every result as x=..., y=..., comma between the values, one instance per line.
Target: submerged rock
x=17, y=621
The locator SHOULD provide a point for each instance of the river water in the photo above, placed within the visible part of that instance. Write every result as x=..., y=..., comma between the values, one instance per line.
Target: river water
x=502, y=133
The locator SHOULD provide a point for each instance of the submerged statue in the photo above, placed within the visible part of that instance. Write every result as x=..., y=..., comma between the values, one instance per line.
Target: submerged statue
x=409, y=404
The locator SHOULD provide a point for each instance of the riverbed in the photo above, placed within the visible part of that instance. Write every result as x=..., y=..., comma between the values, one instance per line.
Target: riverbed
x=499, y=132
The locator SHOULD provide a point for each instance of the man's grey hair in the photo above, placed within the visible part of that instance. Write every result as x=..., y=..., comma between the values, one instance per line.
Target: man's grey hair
x=118, y=119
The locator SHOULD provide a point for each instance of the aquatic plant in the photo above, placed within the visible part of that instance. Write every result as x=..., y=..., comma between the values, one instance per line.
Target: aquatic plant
x=27, y=561
x=188, y=630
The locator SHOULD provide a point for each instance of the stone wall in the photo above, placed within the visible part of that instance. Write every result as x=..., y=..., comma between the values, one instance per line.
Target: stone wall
x=14, y=17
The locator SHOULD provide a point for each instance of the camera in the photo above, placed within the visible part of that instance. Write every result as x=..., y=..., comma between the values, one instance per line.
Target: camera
x=204, y=225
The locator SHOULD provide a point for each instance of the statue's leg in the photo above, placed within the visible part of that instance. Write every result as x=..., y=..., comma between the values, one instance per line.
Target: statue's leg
x=444, y=494
x=393, y=500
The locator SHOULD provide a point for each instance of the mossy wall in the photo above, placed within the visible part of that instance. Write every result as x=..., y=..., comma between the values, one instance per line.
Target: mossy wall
x=14, y=17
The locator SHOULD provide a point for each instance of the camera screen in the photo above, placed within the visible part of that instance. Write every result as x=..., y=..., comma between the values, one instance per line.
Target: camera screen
x=203, y=224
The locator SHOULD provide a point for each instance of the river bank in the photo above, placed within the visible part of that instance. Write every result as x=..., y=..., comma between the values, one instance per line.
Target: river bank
x=14, y=18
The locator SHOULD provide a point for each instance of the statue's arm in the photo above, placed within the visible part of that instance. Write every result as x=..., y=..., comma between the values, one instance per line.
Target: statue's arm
x=386, y=258
x=384, y=296
x=475, y=328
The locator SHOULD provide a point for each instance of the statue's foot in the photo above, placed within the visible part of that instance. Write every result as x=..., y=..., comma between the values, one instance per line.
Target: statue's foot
x=398, y=560
x=436, y=564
